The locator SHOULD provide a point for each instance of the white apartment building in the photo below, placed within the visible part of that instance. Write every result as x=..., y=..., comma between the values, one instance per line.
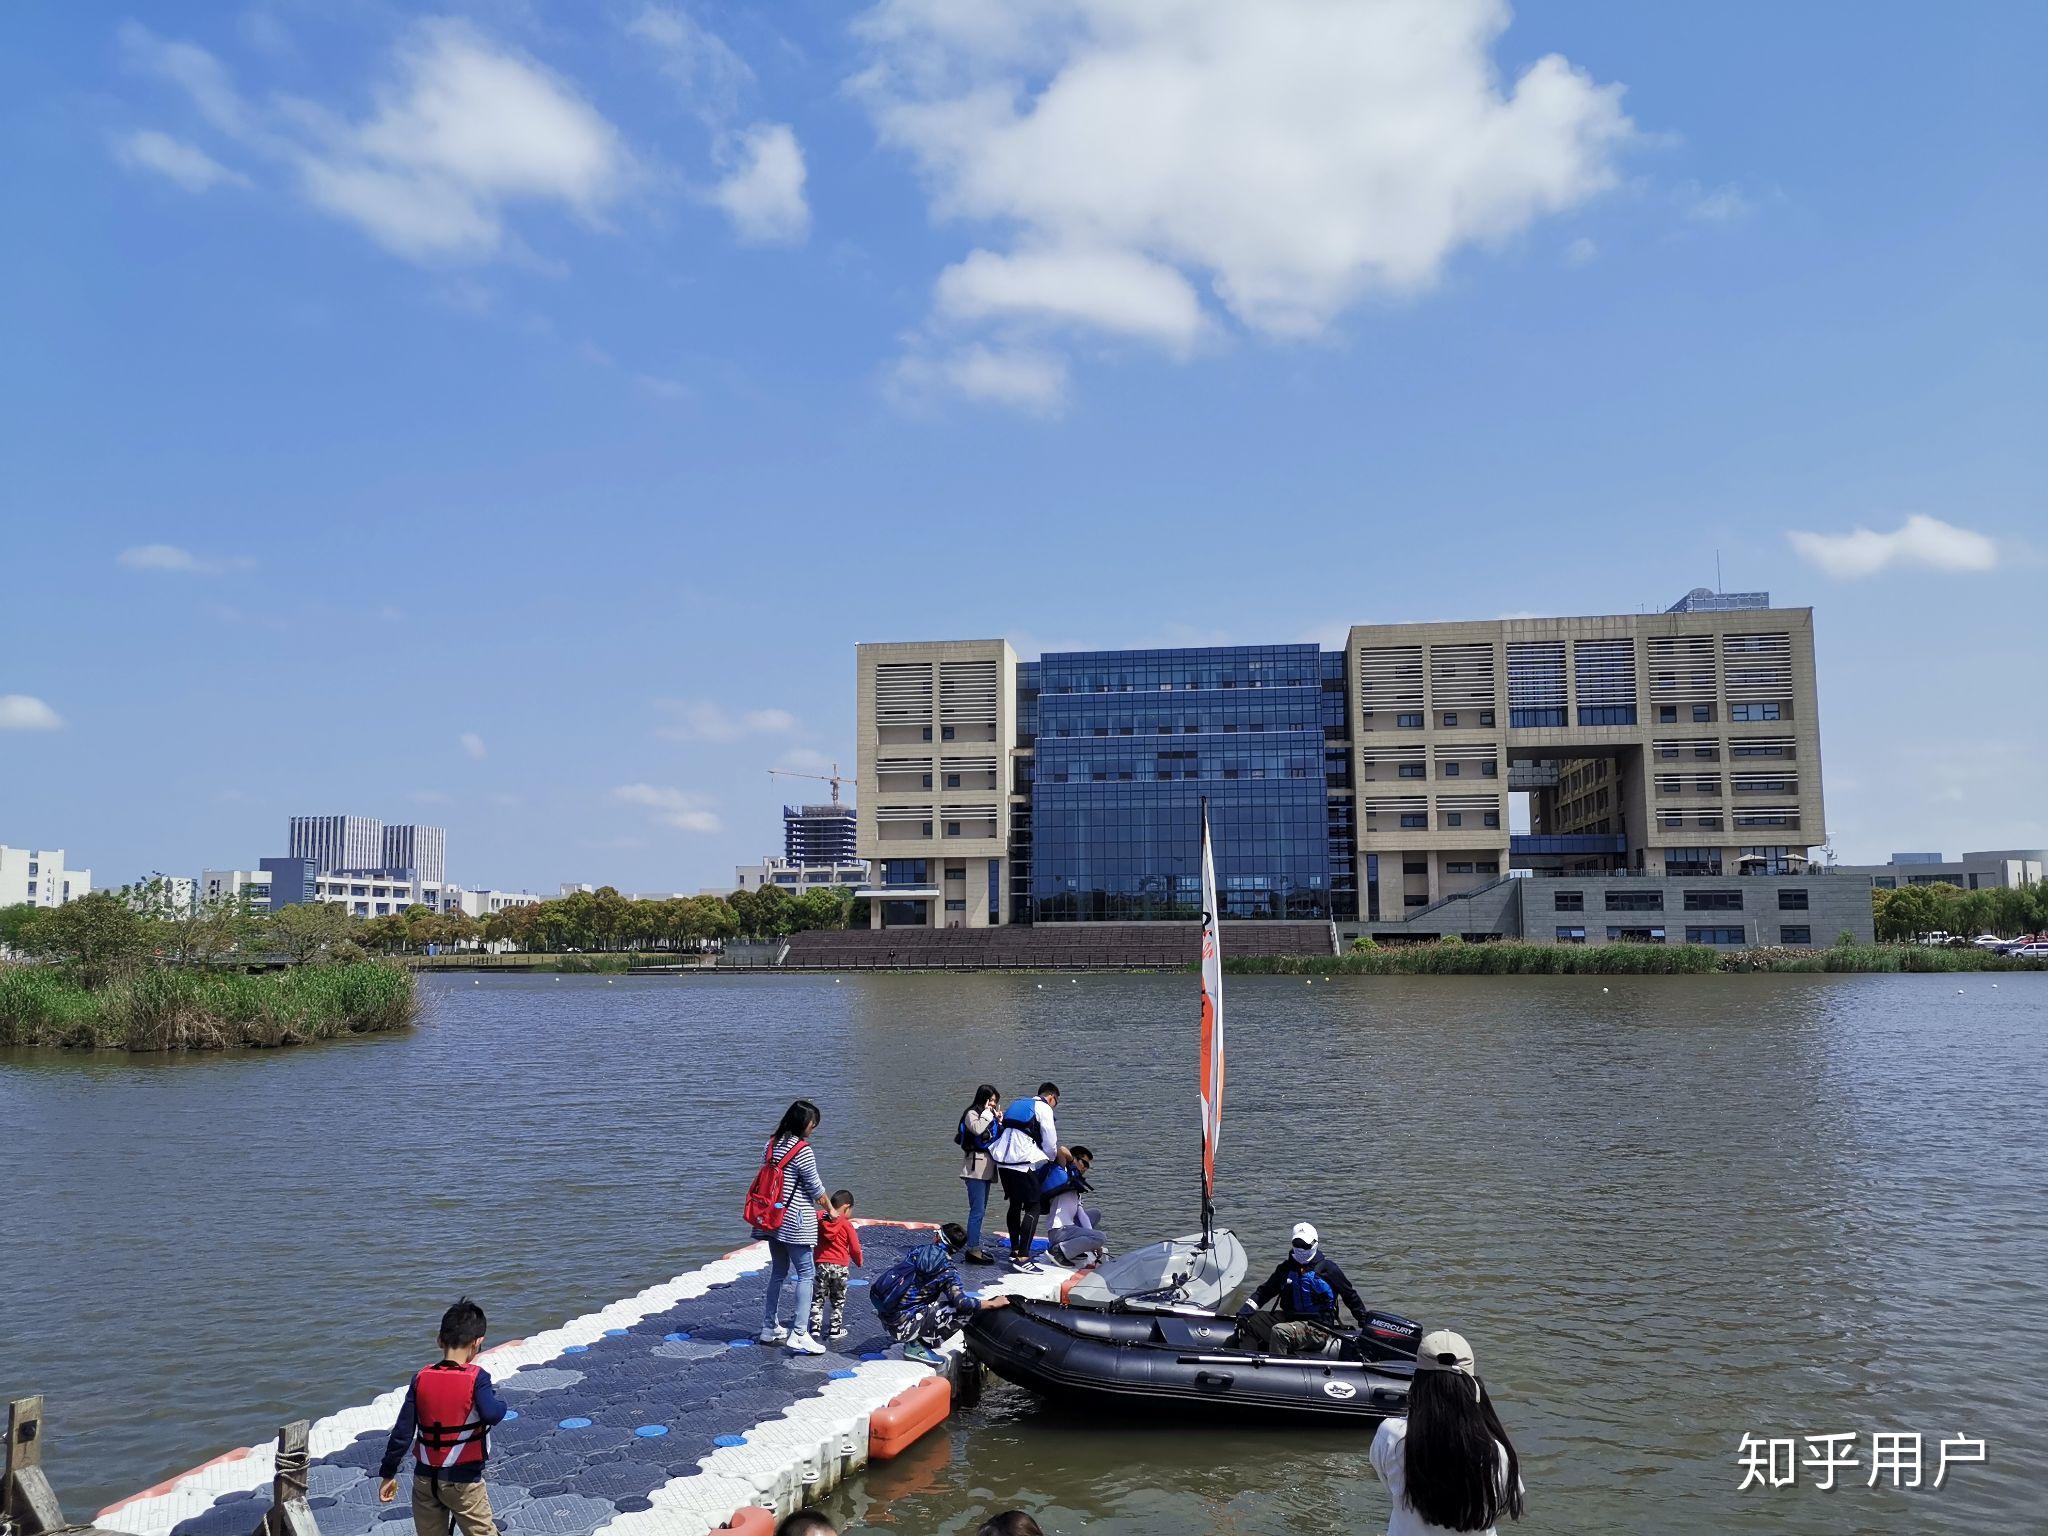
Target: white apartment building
x=37, y=876
x=226, y=884
x=797, y=878
x=482, y=904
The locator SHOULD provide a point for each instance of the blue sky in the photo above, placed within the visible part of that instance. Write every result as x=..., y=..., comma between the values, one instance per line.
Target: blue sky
x=511, y=415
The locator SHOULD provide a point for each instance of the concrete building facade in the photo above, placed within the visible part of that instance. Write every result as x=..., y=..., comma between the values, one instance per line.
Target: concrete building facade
x=423, y=850
x=796, y=878
x=37, y=877
x=337, y=842
x=818, y=834
x=217, y=885
x=937, y=730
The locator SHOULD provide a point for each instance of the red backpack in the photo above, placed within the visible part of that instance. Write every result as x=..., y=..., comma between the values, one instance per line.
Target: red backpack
x=764, y=1204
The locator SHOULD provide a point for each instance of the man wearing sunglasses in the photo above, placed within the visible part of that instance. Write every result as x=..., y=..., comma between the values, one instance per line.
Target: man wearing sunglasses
x=1305, y=1288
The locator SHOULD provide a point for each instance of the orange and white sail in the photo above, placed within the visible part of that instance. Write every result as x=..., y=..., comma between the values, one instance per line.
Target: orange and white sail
x=1212, y=1025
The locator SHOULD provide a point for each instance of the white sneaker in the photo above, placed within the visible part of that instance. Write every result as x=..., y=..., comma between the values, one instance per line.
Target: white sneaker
x=803, y=1344
x=773, y=1335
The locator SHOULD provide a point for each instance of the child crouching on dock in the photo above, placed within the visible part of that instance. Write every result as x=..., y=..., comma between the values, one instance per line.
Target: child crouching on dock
x=838, y=1251
x=920, y=1298
x=449, y=1411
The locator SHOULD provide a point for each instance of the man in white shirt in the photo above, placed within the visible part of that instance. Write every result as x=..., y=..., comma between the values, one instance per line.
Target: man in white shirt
x=1030, y=1140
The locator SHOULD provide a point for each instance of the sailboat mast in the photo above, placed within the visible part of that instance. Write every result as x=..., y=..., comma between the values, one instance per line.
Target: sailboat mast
x=1212, y=1030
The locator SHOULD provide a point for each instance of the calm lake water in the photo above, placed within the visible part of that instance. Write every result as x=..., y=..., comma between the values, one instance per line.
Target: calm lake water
x=1665, y=1210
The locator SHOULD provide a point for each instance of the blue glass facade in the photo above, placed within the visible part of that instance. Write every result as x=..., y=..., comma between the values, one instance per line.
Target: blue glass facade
x=1127, y=744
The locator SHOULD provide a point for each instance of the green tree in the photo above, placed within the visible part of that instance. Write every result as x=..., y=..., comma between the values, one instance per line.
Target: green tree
x=716, y=919
x=311, y=930
x=385, y=935
x=774, y=912
x=212, y=930
x=17, y=927
x=100, y=936
x=827, y=907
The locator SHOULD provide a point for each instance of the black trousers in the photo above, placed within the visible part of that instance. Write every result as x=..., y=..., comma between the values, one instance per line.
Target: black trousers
x=1020, y=1186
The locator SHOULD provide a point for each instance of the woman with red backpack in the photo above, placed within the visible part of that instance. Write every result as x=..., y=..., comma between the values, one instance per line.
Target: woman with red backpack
x=782, y=1206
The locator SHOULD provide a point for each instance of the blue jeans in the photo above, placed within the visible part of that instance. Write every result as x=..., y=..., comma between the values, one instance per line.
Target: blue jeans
x=785, y=1257
x=977, y=1207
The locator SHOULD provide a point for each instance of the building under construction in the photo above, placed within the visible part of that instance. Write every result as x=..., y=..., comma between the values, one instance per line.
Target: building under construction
x=818, y=834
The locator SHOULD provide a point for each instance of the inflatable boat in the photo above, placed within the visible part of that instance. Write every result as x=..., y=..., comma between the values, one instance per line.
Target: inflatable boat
x=1117, y=1342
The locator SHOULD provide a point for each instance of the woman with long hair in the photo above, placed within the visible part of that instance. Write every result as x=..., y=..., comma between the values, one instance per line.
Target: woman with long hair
x=1448, y=1465
x=791, y=1246
x=978, y=1130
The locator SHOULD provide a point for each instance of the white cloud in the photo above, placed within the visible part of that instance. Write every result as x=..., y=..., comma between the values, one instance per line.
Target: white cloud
x=805, y=760
x=1111, y=290
x=170, y=559
x=711, y=75
x=1727, y=204
x=473, y=744
x=463, y=129
x=1293, y=157
x=676, y=808
x=1921, y=541
x=1026, y=378
x=186, y=164
x=25, y=712
x=702, y=720
x=1580, y=252
x=763, y=189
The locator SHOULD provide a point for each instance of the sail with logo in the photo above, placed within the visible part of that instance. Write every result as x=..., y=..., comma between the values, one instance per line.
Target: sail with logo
x=1203, y=1267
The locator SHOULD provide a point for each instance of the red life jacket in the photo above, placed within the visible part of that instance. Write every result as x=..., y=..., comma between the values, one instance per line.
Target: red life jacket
x=449, y=1434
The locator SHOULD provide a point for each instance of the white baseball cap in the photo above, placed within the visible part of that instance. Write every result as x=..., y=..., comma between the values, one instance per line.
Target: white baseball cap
x=1444, y=1350
x=1304, y=1235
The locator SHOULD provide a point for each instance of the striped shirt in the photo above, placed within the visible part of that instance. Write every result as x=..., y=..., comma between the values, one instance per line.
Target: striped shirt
x=802, y=1191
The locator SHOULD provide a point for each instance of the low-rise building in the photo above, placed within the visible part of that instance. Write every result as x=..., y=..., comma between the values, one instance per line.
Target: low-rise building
x=1990, y=870
x=482, y=904
x=796, y=878
x=217, y=885
x=37, y=876
x=174, y=893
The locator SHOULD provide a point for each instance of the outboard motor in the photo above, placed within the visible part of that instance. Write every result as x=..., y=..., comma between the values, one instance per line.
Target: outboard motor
x=1389, y=1336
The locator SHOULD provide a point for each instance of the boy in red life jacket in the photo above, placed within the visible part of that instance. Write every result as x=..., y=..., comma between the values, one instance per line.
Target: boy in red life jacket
x=838, y=1250
x=448, y=1413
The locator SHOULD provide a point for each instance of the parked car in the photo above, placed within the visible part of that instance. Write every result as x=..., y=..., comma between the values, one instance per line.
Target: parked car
x=1937, y=938
x=1988, y=941
x=2033, y=949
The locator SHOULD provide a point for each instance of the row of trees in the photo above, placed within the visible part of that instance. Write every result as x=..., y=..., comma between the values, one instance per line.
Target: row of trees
x=605, y=920
x=1912, y=910
x=109, y=932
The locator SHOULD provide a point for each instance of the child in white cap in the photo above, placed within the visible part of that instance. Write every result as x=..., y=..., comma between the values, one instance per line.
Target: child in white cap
x=1448, y=1464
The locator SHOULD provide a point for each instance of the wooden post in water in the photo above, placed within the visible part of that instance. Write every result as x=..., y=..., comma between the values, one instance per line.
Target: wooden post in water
x=27, y=1502
x=289, y=1513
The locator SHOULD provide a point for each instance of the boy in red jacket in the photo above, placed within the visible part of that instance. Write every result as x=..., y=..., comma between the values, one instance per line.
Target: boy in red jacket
x=838, y=1250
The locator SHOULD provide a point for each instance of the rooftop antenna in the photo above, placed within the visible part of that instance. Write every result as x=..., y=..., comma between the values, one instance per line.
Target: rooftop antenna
x=1717, y=571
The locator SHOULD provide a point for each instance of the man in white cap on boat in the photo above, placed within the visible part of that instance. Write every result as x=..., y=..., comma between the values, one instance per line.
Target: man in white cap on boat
x=1305, y=1288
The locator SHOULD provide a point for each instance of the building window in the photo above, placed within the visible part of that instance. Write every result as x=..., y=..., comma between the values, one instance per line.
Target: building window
x=1667, y=714
x=1454, y=818
x=1608, y=714
x=1450, y=770
x=1409, y=722
x=1569, y=901
x=1635, y=935
x=1414, y=867
x=1702, y=713
x=1415, y=819
x=1458, y=869
x=927, y=781
x=1486, y=867
x=1635, y=901
x=1733, y=935
x=1450, y=718
x=1489, y=769
x=1524, y=719
x=1415, y=901
x=956, y=904
x=952, y=781
x=926, y=733
x=1570, y=935
x=1492, y=818
x=1713, y=901
x=1798, y=935
x=1886, y=883
x=1753, y=712
x=925, y=829
x=1411, y=770
x=952, y=829
x=1486, y=717
x=995, y=891
x=946, y=733
x=1791, y=901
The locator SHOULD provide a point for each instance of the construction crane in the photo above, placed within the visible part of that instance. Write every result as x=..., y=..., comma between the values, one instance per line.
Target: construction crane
x=833, y=778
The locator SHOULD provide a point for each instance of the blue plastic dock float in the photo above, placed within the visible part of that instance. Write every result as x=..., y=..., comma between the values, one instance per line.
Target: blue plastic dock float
x=656, y=1416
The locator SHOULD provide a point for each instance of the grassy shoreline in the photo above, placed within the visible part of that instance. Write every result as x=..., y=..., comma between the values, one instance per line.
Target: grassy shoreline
x=176, y=1009
x=1514, y=959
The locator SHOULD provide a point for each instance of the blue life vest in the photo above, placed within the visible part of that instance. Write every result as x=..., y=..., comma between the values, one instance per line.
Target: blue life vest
x=912, y=1280
x=1307, y=1294
x=1022, y=1115
x=1058, y=1179
x=973, y=1141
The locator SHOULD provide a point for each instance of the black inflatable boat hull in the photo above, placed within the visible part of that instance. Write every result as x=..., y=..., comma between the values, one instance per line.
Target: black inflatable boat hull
x=1160, y=1362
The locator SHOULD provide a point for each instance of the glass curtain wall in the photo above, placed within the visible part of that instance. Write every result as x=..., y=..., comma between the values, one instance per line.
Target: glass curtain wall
x=1126, y=745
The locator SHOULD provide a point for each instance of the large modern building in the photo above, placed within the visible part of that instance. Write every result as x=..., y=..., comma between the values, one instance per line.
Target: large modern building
x=37, y=877
x=423, y=850
x=818, y=834
x=337, y=842
x=1370, y=787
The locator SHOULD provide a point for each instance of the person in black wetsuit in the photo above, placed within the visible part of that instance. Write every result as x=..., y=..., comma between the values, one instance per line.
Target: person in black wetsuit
x=1305, y=1288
